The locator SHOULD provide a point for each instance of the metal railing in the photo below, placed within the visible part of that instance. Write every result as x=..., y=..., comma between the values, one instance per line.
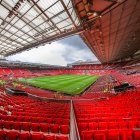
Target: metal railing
x=74, y=132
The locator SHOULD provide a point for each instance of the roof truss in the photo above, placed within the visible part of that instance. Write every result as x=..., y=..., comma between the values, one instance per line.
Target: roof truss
x=29, y=23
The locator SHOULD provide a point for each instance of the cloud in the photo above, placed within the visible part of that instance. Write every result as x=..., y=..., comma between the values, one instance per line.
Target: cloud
x=74, y=41
x=60, y=52
x=48, y=54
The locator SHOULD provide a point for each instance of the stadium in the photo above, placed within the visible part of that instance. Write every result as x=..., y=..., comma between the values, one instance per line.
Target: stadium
x=84, y=100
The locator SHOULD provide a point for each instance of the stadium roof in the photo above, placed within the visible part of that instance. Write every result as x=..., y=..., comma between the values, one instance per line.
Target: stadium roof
x=28, y=23
x=110, y=28
x=115, y=35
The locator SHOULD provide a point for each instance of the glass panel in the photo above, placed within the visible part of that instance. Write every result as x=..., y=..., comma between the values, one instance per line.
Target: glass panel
x=31, y=22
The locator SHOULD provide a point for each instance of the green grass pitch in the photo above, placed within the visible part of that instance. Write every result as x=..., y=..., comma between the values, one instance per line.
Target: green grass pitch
x=68, y=84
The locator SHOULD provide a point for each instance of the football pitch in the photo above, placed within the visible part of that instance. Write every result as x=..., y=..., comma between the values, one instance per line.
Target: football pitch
x=68, y=84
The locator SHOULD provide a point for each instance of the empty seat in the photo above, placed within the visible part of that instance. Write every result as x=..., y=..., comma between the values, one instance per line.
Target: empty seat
x=57, y=121
x=103, y=125
x=2, y=134
x=93, y=126
x=127, y=134
x=34, y=119
x=1, y=124
x=49, y=120
x=26, y=119
x=86, y=135
x=54, y=128
x=12, y=118
x=113, y=125
x=113, y=135
x=35, y=126
x=100, y=135
x=48, y=137
x=64, y=129
x=44, y=127
x=7, y=124
x=16, y=125
x=83, y=126
x=65, y=122
x=12, y=135
x=138, y=124
x=36, y=136
x=132, y=124
x=62, y=138
x=25, y=126
x=19, y=118
x=122, y=125
x=24, y=136
x=40, y=119
x=137, y=135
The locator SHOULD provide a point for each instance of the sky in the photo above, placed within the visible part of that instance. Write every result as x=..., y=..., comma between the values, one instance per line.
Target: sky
x=61, y=52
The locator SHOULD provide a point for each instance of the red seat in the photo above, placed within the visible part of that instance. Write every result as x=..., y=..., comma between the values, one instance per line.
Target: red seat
x=93, y=126
x=100, y=135
x=48, y=137
x=26, y=119
x=132, y=124
x=49, y=120
x=34, y=119
x=25, y=126
x=41, y=119
x=12, y=118
x=1, y=124
x=87, y=135
x=12, y=135
x=138, y=124
x=19, y=118
x=62, y=138
x=16, y=125
x=2, y=134
x=7, y=124
x=113, y=125
x=64, y=129
x=113, y=135
x=83, y=126
x=24, y=136
x=54, y=128
x=35, y=126
x=36, y=136
x=127, y=134
x=137, y=135
x=65, y=122
x=57, y=121
x=5, y=117
x=44, y=127
x=122, y=125
x=103, y=125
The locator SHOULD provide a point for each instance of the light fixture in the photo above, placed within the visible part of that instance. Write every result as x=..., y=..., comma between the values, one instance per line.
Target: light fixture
x=101, y=32
x=101, y=45
x=95, y=14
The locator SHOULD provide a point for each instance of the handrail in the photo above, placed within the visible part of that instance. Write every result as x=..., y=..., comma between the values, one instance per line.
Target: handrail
x=74, y=132
x=48, y=99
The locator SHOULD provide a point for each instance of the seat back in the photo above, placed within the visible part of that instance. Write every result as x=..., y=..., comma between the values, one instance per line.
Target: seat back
x=12, y=135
